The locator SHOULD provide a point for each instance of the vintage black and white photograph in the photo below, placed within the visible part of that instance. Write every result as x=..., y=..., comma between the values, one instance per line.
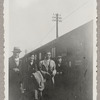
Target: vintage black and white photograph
x=51, y=52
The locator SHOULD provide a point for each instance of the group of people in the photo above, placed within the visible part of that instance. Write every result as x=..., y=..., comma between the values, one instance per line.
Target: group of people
x=29, y=80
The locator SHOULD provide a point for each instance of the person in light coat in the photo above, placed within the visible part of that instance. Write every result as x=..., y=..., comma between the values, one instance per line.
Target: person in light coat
x=48, y=70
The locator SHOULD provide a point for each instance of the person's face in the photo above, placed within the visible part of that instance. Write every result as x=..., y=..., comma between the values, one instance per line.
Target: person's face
x=32, y=57
x=16, y=54
x=48, y=56
x=60, y=60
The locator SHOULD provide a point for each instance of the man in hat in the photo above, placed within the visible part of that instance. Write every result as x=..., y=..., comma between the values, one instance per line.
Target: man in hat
x=15, y=75
x=48, y=70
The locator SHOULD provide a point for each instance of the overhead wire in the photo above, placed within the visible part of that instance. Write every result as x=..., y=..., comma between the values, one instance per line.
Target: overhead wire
x=76, y=10
x=62, y=20
x=45, y=36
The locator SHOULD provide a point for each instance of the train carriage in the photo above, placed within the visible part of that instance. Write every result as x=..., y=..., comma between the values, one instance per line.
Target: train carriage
x=76, y=48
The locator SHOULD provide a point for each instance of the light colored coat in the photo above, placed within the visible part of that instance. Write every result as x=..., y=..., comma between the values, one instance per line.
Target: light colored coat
x=48, y=67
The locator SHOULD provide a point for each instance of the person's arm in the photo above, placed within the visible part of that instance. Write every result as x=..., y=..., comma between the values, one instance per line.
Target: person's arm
x=54, y=69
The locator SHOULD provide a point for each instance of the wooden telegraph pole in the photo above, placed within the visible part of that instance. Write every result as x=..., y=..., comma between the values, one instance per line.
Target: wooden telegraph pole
x=56, y=17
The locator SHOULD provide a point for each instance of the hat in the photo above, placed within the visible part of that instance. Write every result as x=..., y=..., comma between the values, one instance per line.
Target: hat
x=16, y=49
x=49, y=53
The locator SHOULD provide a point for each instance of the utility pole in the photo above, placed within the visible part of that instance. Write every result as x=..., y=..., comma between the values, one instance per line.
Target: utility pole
x=56, y=17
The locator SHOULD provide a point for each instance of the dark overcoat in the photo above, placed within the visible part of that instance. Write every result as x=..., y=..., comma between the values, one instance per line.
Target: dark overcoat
x=14, y=80
x=32, y=79
x=28, y=80
x=59, y=77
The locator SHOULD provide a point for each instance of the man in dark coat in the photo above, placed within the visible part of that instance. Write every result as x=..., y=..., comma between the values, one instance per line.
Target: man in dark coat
x=59, y=77
x=32, y=79
x=15, y=75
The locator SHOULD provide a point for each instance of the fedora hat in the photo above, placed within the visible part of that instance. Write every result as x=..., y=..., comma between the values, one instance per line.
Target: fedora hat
x=16, y=49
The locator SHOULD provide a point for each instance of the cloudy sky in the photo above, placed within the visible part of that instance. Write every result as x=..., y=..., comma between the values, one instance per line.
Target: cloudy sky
x=31, y=25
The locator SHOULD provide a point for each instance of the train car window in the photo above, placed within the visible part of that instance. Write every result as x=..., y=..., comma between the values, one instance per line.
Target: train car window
x=40, y=56
x=78, y=62
x=35, y=57
x=53, y=52
x=70, y=63
x=64, y=54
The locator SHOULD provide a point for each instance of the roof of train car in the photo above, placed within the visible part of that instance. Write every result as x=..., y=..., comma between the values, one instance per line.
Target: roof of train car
x=56, y=40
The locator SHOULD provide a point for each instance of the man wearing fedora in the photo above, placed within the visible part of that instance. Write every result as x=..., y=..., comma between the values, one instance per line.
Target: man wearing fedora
x=15, y=75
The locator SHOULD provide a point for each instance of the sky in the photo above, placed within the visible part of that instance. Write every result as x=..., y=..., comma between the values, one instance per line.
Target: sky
x=31, y=25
